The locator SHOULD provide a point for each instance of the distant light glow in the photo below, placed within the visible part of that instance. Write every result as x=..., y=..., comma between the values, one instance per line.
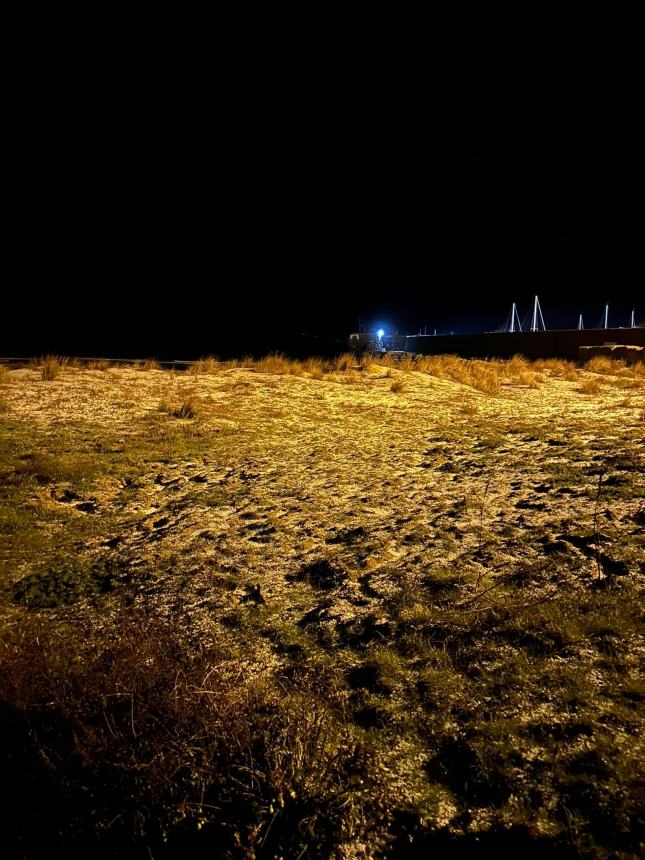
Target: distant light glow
x=380, y=333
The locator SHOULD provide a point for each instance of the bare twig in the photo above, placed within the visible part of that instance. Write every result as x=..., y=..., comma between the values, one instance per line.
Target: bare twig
x=595, y=526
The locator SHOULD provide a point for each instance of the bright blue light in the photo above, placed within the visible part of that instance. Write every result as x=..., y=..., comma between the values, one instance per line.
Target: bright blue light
x=380, y=333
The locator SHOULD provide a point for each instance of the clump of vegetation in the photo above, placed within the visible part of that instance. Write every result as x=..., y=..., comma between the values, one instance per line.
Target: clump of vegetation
x=207, y=365
x=61, y=586
x=557, y=367
x=124, y=732
x=45, y=468
x=397, y=387
x=187, y=407
x=277, y=363
x=51, y=368
x=481, y=375
x=150, y=364
x=605, y=365
x=531, y=380
x=314, y=368
x=591, y=386
x=346, y=361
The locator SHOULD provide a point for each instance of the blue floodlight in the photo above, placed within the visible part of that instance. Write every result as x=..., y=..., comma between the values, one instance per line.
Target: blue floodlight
x=380, y=333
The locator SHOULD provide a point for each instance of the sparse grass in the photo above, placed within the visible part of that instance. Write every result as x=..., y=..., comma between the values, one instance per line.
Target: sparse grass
x=437, y=667
x=150, y=364
x=277, y=363
x=187, y=407
x=208, y=365
x=172, y=750
x=557, y=367
x=51, y=368
x=397, y=387
x=46, y=468
x=591, y=386
x=480, y=375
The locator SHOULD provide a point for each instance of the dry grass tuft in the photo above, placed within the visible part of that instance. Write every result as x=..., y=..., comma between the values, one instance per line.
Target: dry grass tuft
x=188, y=407
x=590, y=386
x=51, y=368
x=315, y=367
x=397, y=387
x=209, y=365
x=484, y=376
x=344, y=362
x=98, y=364
x=517, y=364
x=150, y=364
x=531, y=380
x=169, y=746
x=279, y=364
x=605, y=365
x=557, y=367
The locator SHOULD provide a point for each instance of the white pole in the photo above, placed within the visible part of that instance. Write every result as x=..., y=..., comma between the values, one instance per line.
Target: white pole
x=580, y=323
x=606, y=316
x=534, y=322
x=633, y=321
x=513, y=319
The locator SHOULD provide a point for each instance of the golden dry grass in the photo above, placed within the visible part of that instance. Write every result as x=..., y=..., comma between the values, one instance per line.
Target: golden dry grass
x=185, y=406
x=557, y=367
x=150, y=364
x=208, y=364
x=99, y=364
x=603, y=364
x=51, y=368
x=591, y=386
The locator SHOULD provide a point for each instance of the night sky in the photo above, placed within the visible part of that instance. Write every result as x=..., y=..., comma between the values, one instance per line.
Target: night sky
x=262, y=229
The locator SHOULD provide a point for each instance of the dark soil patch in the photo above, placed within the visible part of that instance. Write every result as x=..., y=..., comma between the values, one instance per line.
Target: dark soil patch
x=323, y=575
x=372, y=717
x=368, y=677
x=361, y=631
x=459, y=766
x=349, y=536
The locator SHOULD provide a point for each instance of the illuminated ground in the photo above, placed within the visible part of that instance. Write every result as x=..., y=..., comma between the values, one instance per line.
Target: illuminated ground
x=451, y=576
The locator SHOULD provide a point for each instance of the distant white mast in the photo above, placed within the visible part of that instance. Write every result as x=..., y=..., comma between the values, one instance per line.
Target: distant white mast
x=606, y=316
x=537, y=315
x=515, y=316
x=581, y=325
x=633, y=320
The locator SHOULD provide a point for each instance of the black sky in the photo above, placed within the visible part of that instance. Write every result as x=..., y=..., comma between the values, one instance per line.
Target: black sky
x=151, y=227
